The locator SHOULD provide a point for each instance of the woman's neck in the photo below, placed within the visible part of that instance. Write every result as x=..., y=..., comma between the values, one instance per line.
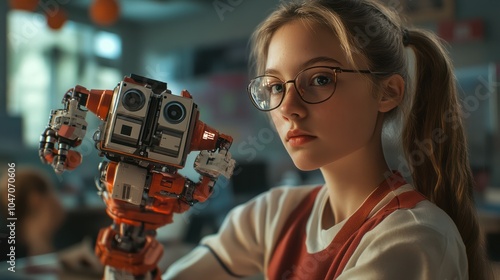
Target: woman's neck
x=350, y=182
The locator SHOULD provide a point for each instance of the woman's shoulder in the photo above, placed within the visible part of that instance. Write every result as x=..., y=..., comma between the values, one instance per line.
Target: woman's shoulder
x=420, y=242
x=251, y=230
x=270, y=209
x=425, y=223
x=275, y=202
x=425, y=215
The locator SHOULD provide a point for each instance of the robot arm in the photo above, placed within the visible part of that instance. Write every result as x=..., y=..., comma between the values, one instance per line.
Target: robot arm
x=67, y=127
x=65, y=130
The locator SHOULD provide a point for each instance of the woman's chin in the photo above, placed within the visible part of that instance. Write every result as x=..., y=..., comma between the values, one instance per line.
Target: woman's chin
x=305, y=165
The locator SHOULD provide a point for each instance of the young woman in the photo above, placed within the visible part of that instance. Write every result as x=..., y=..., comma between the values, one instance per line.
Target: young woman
x=332, y=75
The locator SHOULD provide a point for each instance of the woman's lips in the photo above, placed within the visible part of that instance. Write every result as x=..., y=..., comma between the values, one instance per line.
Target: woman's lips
x=296, y=138
x=300, y=140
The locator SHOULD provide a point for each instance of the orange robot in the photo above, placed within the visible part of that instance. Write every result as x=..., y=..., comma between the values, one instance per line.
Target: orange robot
x=146, y=134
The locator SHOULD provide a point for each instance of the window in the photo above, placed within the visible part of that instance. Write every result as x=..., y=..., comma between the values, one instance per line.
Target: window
x=43, y=64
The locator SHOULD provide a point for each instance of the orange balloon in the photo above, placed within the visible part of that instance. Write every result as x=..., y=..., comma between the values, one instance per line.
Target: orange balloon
x=27, y=5
x=56, y=20
x=104, y=12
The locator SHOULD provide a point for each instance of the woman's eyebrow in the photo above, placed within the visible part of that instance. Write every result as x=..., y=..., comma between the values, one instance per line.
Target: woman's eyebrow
x=315, y=60
x=308, y=63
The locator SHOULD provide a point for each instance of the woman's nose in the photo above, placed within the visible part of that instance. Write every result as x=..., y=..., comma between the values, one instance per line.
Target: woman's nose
x=292, y=105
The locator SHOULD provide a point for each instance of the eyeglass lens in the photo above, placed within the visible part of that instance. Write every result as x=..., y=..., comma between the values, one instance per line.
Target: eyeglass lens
x=314, y=85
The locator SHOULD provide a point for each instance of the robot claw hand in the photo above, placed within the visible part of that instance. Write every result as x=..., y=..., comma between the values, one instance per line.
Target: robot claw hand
x=65, y=130
x=214, y=164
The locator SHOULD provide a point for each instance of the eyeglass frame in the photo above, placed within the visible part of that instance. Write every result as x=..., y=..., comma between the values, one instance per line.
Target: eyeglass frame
x=335, y=69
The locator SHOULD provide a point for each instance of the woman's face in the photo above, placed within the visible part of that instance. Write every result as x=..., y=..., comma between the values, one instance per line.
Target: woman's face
x=316, y=135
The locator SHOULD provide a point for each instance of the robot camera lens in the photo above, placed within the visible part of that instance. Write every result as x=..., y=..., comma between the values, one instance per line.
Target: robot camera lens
x=133, y=100
x=174, y=112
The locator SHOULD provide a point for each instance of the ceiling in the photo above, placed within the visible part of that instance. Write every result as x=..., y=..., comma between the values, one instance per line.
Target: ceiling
x=153, y=10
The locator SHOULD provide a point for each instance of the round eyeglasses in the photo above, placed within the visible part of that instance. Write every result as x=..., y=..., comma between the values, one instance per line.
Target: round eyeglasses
x=314, y=85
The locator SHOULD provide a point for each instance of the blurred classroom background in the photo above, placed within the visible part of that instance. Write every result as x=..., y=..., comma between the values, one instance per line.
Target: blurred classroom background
x=202, y=46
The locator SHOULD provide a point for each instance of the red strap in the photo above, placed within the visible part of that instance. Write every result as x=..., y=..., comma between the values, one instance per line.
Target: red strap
x=360, y=216
x=406, y=200
x=293, y=231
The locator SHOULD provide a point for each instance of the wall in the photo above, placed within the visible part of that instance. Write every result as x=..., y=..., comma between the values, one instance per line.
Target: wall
x=210, y=29
x=215, y=26
x=483, y=52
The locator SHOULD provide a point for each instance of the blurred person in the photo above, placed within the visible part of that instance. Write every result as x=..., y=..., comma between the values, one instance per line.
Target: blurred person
x=40, y=215
x=38, y=211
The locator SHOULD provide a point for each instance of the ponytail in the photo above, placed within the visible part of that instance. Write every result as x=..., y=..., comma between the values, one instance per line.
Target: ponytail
x=435, y=145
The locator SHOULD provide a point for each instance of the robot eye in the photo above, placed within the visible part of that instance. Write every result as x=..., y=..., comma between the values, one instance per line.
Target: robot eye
x=174, y=112
x=133, y=100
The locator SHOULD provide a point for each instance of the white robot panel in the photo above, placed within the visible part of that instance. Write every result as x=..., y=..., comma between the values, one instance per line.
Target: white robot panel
x=127, y=117
x=177, y=117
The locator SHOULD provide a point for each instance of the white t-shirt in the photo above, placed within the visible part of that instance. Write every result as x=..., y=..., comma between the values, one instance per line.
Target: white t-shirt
x=418, y=243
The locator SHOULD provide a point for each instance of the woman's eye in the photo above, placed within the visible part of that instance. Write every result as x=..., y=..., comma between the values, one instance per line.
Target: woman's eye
x=276, y=88
x=321, y=80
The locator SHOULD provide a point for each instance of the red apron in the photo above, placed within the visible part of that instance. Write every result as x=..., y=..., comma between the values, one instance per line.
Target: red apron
x=290, y=259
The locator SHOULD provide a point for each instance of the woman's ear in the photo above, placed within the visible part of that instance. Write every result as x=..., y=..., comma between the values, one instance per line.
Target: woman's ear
x=393, y=90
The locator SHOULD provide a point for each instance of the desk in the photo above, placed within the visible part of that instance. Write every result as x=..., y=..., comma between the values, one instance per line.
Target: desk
x=48, y=266
x=43, y=267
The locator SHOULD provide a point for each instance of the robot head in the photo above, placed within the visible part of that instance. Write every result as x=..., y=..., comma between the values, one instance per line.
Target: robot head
x=146, y=123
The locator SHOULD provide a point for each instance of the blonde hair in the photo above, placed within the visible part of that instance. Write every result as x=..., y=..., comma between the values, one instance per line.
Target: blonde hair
x=442, y=172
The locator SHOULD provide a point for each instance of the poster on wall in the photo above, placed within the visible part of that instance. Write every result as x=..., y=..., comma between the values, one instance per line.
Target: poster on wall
x=423, y=10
